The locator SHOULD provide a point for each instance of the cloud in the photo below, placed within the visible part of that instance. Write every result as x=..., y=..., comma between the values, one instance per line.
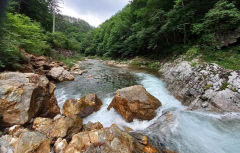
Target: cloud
x=93, y=11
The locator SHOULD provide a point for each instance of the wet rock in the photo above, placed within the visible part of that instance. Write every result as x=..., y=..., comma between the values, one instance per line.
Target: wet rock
x=83, y=107
x=135, y=102
x=77, y=70
x=58, y=128
x=60, y=145
x=105, y=140
x=92, y=126
x=23, y=96
x=206, y=87
x=60, y=74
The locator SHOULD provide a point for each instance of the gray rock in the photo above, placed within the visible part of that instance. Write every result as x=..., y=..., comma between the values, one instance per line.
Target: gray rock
x=60, y=74
x=209, y=83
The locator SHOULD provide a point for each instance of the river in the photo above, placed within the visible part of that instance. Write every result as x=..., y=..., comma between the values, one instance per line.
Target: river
x=186, y=132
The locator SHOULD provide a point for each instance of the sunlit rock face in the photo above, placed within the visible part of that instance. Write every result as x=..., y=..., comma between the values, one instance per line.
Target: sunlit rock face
x=82, y=107
x=135, y=102
x=23, y=96
x=22, y=140
x=110, y=139
x=59, y=127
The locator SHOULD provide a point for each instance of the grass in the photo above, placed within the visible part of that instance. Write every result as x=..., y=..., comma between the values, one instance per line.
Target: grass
x=228, y=58
x=208, y=86
x=72, y=60
x=224, y=86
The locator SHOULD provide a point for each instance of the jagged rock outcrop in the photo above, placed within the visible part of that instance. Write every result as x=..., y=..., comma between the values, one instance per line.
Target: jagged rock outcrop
x=135, y=102
x=82, y=107
x=23, y=96
x=110, y=139
x=58, y=128
x=39, y=64
x=60, y=74
x=205, y=86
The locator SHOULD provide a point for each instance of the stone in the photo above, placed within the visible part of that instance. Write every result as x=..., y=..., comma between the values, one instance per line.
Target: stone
x=110, y=139
x=60, y=74
x=23, y=96
x=207, y=87
x=32, y=142
x=23, y=140
x=60, y=145
x=7, y=144
x=17, y=130
x=75, y=69
x=83, y=107
x=59, y=128
x=92, y=126
x=135, y=102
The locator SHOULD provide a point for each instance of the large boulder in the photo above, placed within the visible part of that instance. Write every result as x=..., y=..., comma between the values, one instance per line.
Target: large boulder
x=21, y=140
x=58, y=128
x=60, y=74
x=135, y=102
x=23, y=96
x=107, y=140
x=82, y=107
x=32, y=142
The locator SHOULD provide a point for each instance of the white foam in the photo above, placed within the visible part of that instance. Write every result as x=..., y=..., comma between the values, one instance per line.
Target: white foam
x=154, y=86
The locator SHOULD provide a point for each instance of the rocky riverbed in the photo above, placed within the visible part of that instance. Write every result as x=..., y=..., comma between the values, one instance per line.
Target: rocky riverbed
x=112, y=109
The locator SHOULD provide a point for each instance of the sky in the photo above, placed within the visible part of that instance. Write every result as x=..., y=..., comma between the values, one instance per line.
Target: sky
x=94, y=12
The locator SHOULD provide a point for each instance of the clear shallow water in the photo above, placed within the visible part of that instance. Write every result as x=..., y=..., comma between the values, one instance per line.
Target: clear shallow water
x=186, y=132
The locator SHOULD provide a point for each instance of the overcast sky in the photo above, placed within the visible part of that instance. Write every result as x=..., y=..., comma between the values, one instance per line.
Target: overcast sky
x=94, y=12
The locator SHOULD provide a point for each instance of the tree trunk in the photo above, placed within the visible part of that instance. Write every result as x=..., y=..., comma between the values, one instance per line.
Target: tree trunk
x=54, y=21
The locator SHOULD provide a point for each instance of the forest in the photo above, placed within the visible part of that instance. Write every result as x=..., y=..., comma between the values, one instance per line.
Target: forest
x=27, y=24
x=154, y=29
x=159, y=29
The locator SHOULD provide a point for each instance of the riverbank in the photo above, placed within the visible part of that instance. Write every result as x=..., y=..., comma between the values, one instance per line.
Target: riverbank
x=197, y=84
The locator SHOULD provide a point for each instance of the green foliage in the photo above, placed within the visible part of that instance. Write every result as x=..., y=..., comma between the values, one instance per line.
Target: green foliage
x=228, y=58
x=149, y=27
x=153, y=65
x=191, y=53
x=72, y=60
x=224, y=85
x=26, y=33
x=58, y=40
x=38, y=10
x=208, y=86
x=224, y=17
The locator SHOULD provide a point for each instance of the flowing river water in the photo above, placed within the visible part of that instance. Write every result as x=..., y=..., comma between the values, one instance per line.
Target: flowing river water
x=174, y=126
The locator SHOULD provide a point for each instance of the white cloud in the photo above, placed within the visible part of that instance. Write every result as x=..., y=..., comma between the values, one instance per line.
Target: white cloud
x=94, y=12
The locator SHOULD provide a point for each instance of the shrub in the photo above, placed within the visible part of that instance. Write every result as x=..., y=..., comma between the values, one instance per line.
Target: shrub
x=27, y=33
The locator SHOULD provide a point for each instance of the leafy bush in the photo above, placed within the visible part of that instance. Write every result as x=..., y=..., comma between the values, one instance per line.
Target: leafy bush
x=27, y=33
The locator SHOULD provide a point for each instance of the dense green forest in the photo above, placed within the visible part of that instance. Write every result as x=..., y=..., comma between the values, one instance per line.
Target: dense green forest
x=160, y=28
x=27, y=24
x=152, y=28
